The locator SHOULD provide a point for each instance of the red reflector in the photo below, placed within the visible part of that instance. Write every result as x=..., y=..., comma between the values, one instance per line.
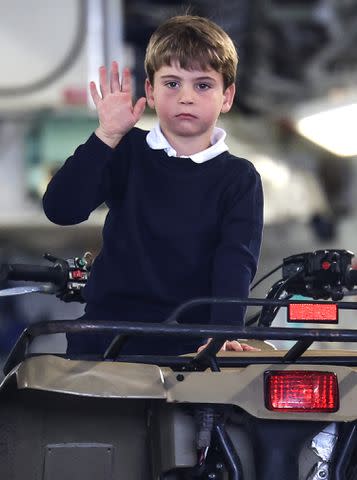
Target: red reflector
x=301, y=391
x=313, y=312
x=325, y=265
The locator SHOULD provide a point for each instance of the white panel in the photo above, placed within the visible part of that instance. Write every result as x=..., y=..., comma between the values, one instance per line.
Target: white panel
x=35, y=37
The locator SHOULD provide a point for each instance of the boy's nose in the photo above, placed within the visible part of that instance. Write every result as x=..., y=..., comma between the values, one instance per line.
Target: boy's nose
x=186, y=100
x=186, y=96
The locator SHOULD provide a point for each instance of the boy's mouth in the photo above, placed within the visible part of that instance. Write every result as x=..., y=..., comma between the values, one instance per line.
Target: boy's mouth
x=185, y=115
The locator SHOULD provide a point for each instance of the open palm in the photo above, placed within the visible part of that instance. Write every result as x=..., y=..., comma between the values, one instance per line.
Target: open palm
x=114, y=104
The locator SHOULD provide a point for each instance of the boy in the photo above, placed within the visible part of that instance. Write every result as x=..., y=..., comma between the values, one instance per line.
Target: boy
x=185, y=216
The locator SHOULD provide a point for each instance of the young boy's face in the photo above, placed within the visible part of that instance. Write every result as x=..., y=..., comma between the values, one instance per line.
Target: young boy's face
x=188, y=102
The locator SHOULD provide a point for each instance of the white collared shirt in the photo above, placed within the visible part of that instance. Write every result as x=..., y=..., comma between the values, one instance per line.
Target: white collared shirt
x=157, y=141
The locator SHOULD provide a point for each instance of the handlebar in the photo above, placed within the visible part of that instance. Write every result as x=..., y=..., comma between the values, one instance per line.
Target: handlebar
x=35, y=273
x=351, y=278
x=67, y=276
x=320, y=274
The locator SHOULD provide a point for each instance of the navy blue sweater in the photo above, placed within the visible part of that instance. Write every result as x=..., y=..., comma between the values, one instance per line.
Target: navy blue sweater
x=175, y=229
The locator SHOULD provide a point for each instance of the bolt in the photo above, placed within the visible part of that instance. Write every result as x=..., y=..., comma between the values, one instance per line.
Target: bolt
x=211, y=476
x=180, y=377
x=322, y=474
x=219, y=466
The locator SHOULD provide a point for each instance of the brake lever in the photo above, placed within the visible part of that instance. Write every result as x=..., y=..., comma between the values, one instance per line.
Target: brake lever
x=45, y=288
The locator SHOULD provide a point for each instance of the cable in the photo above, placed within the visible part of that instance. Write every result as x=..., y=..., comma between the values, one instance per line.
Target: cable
x=266, y=276
x=253, y=319
x=269, y=312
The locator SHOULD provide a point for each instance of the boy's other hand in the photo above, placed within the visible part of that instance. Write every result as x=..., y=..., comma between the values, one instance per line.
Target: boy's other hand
x=232, y=346
x=116, y=112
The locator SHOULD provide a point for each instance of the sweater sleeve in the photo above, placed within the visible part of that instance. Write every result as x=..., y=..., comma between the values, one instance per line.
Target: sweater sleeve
x=80, y=185
x=237, y=253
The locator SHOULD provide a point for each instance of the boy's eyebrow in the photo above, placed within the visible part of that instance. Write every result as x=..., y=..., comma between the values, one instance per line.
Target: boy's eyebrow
x=176, y=77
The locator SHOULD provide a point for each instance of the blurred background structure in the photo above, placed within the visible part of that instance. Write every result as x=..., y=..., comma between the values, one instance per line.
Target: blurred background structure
x=295, y=118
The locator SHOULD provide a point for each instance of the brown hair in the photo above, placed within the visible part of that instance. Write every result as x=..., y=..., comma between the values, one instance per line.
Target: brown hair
x=194, y=42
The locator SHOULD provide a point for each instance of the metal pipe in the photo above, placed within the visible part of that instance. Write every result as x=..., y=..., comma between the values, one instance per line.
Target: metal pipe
x=345, y=453
x=231, y=457
x=297, y=350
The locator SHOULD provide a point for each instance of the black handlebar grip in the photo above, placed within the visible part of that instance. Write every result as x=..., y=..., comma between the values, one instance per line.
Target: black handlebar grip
x=37, y=273
x=351, y=278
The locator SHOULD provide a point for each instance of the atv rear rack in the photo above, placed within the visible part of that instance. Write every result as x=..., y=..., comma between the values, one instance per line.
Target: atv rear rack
x=304, y=337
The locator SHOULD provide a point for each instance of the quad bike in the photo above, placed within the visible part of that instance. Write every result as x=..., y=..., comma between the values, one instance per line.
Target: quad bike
x=252, y=415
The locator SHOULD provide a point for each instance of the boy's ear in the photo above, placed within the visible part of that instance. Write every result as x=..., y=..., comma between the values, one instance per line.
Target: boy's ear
x=149, y=91
x=228, y=97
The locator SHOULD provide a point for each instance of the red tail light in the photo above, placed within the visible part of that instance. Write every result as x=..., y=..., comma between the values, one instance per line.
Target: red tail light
x=301, y=391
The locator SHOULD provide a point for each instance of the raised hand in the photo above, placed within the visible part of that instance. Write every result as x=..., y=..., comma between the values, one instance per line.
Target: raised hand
x=116, y=112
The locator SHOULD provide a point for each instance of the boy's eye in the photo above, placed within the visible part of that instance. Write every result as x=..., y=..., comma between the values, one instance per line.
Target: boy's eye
x=203, y=86
x=171, y=84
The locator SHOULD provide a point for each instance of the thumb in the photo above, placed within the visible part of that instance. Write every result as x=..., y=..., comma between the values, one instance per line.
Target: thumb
x=139, y=108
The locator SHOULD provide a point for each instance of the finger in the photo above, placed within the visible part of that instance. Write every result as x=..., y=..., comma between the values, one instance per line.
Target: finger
x=204, y=346
x=126, y=81
x=114, y=78
x=233, y=346
x=139, y=108
x=249, y=348
x=201, y=347
x=94, y=93
x=103, y=82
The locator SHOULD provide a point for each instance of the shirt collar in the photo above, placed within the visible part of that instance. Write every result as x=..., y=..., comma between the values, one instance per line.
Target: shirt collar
x=157, y=141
